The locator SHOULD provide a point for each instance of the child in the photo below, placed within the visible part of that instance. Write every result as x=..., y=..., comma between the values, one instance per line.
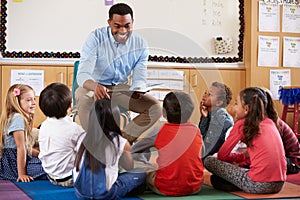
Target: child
x=215, y=120
x=179, y=144
x=289, y=138
x=267, y=171
x=18, y=159
x=102, y=150
x=59, y=137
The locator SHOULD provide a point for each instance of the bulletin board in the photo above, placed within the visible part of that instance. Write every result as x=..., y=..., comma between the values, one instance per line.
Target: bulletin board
x=176, y=31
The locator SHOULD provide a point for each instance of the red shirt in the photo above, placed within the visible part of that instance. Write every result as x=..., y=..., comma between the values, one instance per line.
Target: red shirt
x=180, y=169
x=267, y=156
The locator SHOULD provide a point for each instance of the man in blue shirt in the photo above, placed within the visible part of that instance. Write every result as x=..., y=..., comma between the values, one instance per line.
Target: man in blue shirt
x=109, y=57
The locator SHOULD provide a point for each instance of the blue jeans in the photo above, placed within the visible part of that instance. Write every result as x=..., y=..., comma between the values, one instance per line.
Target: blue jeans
x=125, y=183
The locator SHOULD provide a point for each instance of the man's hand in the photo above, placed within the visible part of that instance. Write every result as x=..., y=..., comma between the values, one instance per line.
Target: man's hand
x=101, y=92
x=137, y=95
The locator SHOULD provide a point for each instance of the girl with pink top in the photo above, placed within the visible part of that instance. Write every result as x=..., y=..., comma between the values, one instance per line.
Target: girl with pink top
x=267, y=171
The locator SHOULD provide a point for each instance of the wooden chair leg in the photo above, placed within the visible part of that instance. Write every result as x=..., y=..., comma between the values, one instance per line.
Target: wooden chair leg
x=296, y=115
x=284, y=112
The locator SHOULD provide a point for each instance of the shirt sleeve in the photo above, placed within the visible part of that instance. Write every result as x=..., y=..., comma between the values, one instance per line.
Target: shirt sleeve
x=234, y=137
x=215, y=136
x=78, y=137
x=139, y=73
x=87, y=60
x=17, y=124
x=203, y=124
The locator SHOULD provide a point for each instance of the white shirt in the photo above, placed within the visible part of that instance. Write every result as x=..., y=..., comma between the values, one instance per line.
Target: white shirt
x=59, y=141
x=112, y=170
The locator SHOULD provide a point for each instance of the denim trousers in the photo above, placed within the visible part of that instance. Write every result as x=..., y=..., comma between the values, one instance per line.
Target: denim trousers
x=125, y=183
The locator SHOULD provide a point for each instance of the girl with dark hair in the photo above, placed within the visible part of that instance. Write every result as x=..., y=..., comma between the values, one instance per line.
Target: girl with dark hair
x=267, y=171
x=96, y=174
x=290, y=141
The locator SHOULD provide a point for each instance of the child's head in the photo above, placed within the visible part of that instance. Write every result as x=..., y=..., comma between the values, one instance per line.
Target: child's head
x=251, y=104
x=108, y=116
x=55, y=100
x=177, y=107
x=251, y=100
x=20, y=98
x=218, y=95
x=103, y=128
x=270, y=107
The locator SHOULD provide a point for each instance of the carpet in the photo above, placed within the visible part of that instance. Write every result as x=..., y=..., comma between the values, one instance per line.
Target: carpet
x=289, y=190
x=9, y=191
x=206, y=192
x=44, y=190
x=294, y=178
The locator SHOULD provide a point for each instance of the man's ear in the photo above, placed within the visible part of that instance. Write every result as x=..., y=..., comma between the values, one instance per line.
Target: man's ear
x=108, y=21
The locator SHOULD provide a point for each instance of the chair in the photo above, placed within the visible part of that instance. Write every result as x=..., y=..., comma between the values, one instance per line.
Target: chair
x=74, y=111
x=125, y=115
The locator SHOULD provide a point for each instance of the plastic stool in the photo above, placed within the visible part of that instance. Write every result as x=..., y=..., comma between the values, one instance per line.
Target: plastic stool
x=290, y=97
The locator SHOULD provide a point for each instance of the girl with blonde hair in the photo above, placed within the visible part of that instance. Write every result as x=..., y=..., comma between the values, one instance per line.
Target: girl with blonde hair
x=18, y=159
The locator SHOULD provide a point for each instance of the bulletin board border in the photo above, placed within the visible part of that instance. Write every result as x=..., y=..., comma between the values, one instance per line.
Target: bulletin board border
x=152, y=58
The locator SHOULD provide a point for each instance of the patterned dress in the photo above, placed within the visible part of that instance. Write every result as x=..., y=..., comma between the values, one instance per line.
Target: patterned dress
x=8, y=162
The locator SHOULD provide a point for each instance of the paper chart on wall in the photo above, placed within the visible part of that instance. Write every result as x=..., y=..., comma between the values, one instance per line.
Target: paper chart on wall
x=291, y=51
x=268, y=51
x=168, y=84
x=278, y=79
x=34, y=78
x=269, y=17
x=165, y=74
x=291, y=18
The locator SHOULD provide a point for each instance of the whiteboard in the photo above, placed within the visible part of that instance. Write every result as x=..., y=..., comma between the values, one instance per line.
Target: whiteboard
x=175, y=30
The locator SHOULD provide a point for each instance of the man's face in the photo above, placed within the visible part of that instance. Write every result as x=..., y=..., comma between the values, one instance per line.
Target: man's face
x=121, y=27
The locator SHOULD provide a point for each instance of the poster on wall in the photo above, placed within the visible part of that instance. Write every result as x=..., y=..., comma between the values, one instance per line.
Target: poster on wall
x=291, y=51
x=279, y=79
x=269, y=17
x=34, y=78
x=291, y=18
x=268, y=51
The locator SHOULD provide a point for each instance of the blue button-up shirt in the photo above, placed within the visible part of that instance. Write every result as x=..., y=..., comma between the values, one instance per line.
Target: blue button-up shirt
x=108, y=62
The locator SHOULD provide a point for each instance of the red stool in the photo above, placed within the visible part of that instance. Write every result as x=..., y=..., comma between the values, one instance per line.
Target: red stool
x=290, y=96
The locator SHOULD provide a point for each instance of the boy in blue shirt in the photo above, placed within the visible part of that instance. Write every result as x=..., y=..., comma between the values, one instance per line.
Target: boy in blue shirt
x=215, y=120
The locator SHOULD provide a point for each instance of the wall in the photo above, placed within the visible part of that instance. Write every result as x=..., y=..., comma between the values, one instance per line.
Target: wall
x=260, y=76
x=62, y=25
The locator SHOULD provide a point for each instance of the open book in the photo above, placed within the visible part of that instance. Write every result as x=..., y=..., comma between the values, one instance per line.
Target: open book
x=139, y=90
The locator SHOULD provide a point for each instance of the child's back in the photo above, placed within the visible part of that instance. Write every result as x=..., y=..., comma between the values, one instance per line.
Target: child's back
x=179, y=145
x=59, y=137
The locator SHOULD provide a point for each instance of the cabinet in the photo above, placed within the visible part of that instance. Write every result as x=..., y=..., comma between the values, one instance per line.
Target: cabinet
x=52, y=74
x=195, y=82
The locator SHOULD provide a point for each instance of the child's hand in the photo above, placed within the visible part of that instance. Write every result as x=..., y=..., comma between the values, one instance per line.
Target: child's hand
x=35, y=152
x=203, y=110
x=24, y=178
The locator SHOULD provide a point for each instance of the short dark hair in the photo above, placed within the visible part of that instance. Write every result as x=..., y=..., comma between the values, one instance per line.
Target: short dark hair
x=225, y=93
x=178, y=107
x=120, y=9
x=55, y=100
